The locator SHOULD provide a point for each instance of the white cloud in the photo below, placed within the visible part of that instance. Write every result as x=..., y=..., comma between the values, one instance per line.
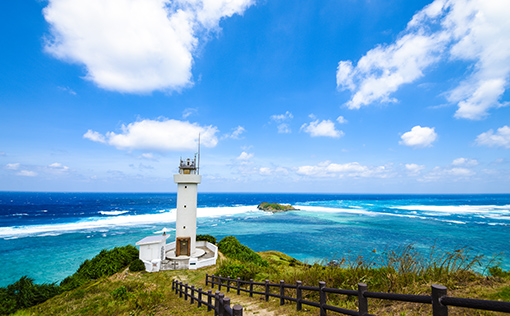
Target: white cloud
x=245, y=156
x=236, y=133
x=323, y=128
x=27, y=173
x=499, y=139
x=353, y=169
x=278, y=171
x=188, y=112
x=414, y=169
x=164, y=135
x=12, y=166
x=341, y=120
x=475, y=31
x=148, y=156
x=265, y=171
x=135, y=46
x=94, y=136
x=58, y=167
x=419, y=137
x=281, y=120
x=465, y=162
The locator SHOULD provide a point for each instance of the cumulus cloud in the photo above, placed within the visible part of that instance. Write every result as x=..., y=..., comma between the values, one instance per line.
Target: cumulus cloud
x=465, y=162
x=419, y=137
x=58, y=167
x=94, y=136
x=12, y=166
x=501, y=138
x=282, y=122
x=135, y=46
x=158, y=135
x=266, y=171
x=414, y=169
x=245, y=156
x=353, y=169
x=341, y=120
x=27, y=173
x=475, y=31
x=324, y=128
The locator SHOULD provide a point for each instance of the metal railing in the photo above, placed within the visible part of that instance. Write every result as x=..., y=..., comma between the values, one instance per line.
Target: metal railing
x=438, y=298
x=221, y=305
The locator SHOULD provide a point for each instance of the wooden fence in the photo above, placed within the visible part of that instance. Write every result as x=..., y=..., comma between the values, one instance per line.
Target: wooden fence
x=438, y=298
x=221, y=305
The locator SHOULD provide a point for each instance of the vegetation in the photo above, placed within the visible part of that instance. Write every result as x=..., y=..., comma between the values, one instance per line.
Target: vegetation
x=207, y=238
x=136, y=266
x=24, y=293
x=397, y=270
x=233, y=249
x=275, y=207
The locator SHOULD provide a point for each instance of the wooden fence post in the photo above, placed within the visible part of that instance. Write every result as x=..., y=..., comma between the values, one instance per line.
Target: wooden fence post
x=228, y=284
x=199, y=297
x=251, y=287
x=237, y=310
x=216, y=303
x=173, y=284
x=186, y=292
x=362, y=300
x=267, y=290
x=206, y=278
x=222, y=308
x=180, y=289
x=298, y=296
x=282, y=292
x=238, y=285
x=209, y=300
x=219, y=283
x=322, y=298
x=226, y=303
x=438, y=292
x=192, y=296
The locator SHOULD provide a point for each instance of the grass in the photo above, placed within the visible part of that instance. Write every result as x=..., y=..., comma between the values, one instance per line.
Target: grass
x=398, y=270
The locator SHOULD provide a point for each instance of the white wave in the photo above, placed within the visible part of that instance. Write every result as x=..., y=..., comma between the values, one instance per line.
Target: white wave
x=334, y=210
x=113, y=212
x=19, y=214
x=119, y=221
x=456, y=209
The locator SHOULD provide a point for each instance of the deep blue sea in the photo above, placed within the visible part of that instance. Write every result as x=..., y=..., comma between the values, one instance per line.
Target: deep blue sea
x=47, y=235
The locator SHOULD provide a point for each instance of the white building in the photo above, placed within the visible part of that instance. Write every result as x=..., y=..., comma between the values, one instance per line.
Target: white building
x=185, y=252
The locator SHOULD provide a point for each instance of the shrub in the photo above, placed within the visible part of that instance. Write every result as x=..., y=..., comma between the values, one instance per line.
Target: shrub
x=24, y=293
x=120, y=293
x=207, y=238
x=137, y=265
x=235, y=270
x=232, y=248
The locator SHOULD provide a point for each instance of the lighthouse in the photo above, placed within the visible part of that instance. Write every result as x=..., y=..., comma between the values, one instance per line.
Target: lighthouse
x=185, y=252
x=186, y=223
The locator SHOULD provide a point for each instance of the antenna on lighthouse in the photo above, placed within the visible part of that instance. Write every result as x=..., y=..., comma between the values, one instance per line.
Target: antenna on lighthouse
x=198, y=162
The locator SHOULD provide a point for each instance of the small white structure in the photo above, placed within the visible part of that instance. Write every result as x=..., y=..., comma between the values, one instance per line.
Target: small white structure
x=185, y=252
x=152, y=252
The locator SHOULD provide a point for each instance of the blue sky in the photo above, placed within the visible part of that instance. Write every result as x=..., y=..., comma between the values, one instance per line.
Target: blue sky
x=354, y=96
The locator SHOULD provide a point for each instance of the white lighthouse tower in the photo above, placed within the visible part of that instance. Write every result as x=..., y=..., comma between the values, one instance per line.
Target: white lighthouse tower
x=186, y=223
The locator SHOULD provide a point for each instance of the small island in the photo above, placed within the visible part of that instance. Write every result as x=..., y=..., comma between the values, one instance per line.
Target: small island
x=275, y=207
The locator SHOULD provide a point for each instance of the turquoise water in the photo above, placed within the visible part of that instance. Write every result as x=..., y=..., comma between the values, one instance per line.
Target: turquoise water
x=47, y=235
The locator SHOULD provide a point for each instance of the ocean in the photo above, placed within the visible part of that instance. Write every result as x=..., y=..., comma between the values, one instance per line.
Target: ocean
x=46, y=236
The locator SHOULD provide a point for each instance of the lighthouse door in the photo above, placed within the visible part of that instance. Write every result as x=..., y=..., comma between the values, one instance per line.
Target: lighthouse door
x=183, y=246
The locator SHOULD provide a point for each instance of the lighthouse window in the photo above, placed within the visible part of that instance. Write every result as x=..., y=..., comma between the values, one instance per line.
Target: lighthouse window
x=185, y=186
x=183, y=227
x=185, y=206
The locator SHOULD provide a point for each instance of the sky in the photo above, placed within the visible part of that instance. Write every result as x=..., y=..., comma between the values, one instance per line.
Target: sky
x=352, y=96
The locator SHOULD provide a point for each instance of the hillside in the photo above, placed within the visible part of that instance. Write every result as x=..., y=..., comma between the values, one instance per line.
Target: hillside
x=140, y=293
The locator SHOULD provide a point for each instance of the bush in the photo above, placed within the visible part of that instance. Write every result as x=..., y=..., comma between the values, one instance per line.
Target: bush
x=106, y=263
x=232, y=248
x=137, y=265
x=207, y=238
x=120, y=293
x=24, y=293
x=235, y=270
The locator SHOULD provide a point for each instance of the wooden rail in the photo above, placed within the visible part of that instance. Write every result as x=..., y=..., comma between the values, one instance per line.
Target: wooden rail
x=221, y=305
x=438, y=298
